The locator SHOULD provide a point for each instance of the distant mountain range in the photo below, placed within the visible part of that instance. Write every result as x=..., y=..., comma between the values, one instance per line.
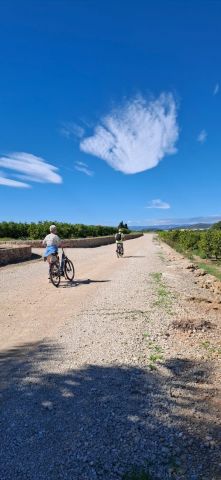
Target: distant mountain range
x=195, y=226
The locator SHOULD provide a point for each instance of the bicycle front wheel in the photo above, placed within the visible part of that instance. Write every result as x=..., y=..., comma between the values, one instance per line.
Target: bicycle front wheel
x=55, y=274
x=69, y=270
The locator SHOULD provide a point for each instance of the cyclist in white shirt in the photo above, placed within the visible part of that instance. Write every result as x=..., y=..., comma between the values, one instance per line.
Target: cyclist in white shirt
x=119, y=238
x=51, y=242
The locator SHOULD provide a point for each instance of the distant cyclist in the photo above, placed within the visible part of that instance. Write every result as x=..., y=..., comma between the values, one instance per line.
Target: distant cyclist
x=119, y=238
x=51, y=242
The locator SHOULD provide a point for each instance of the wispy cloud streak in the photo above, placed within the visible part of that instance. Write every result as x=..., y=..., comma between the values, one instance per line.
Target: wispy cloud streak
x=136, y=136
x=8, y=182
x=202, y=136
x=216, y=89
x=83, y=167
x=158, y=204
x=70, y=129
x=29, y=168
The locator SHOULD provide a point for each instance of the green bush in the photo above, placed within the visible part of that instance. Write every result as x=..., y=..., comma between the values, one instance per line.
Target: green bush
x=13, y=230
x=189, y=239
x=216, y=244
x=216, y=226
x=207, y=243
x=39, y=230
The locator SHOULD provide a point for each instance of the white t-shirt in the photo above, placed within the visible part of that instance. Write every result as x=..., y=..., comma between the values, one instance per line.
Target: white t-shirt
x=51, y=239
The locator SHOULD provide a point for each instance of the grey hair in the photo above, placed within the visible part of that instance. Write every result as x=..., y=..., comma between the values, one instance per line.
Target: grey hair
x=53, y=228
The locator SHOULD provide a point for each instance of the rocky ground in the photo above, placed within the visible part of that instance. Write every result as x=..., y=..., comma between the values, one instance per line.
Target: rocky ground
x=114, y=374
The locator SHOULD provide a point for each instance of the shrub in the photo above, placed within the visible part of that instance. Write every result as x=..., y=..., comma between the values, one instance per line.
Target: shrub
x=207, y=243
x=39, y=230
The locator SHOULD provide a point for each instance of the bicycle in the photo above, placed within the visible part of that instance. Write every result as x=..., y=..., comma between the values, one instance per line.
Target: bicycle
x=55, y=270
x=120, y=250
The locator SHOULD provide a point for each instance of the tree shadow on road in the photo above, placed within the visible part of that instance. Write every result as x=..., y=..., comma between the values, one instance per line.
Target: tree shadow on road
x=97, y=422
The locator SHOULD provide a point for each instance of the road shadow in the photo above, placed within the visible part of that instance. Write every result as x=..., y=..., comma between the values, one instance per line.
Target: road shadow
x=134, y=256
x=77, y=283
x=97, y=422
x=36, y=256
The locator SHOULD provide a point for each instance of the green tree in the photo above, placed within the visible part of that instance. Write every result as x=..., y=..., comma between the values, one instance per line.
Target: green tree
x=216, y=243
x=205, y=243
x=216, y=226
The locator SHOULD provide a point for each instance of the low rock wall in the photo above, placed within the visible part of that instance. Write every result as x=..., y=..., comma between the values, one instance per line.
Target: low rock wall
x=81, y=242
x=14, y=253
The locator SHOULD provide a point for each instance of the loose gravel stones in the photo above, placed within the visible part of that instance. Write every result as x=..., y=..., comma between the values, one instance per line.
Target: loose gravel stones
x=117, y=388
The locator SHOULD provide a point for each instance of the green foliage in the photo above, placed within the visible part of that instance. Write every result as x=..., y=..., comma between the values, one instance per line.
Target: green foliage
x=211, y=269
x=216, y=226
x=206, y=243
x=39, y=230
x=216, y=243
x=123, y=227
x=163, y=296
x=13, y=230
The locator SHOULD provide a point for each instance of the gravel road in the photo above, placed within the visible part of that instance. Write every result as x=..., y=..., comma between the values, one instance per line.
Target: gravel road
x=104, y=376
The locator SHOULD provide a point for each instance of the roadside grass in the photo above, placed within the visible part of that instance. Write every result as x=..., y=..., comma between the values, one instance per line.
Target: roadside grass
x=211, y=350
x=161, y=256
x=211, y=269
x=146, y=335
x=156, y=276
x=163, y=295
x=156, y=352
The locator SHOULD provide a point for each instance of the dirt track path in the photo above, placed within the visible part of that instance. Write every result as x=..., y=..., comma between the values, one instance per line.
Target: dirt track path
x=95, y=379
x=32, y=309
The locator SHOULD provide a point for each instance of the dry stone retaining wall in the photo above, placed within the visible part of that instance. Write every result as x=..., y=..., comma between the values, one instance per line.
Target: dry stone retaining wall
x=81, y=242
x=15, y=253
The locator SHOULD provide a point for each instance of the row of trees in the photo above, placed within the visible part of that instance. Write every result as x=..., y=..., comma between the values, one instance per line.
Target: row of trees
x=39, y=230
x=206, y=244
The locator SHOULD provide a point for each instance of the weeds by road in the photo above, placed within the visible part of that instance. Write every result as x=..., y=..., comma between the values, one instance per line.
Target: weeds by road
x=163, y=295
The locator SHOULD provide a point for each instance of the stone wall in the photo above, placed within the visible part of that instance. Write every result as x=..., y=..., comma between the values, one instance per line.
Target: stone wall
x=80, y=242
x=14, y=253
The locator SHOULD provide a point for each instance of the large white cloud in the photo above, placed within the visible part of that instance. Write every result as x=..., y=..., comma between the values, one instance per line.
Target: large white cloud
x=29, y=168
x=137, y=135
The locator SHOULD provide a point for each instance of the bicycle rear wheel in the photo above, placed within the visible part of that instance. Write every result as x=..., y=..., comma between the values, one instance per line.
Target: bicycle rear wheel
x=69, y=269
x=55, y=274
x=119, y=251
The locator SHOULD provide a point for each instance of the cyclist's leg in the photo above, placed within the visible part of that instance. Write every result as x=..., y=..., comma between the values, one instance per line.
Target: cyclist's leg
x=62, y=265
x=49, y=264
x=51, y=259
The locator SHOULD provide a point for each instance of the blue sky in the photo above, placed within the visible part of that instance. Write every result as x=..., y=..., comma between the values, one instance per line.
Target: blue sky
x=110, y=111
